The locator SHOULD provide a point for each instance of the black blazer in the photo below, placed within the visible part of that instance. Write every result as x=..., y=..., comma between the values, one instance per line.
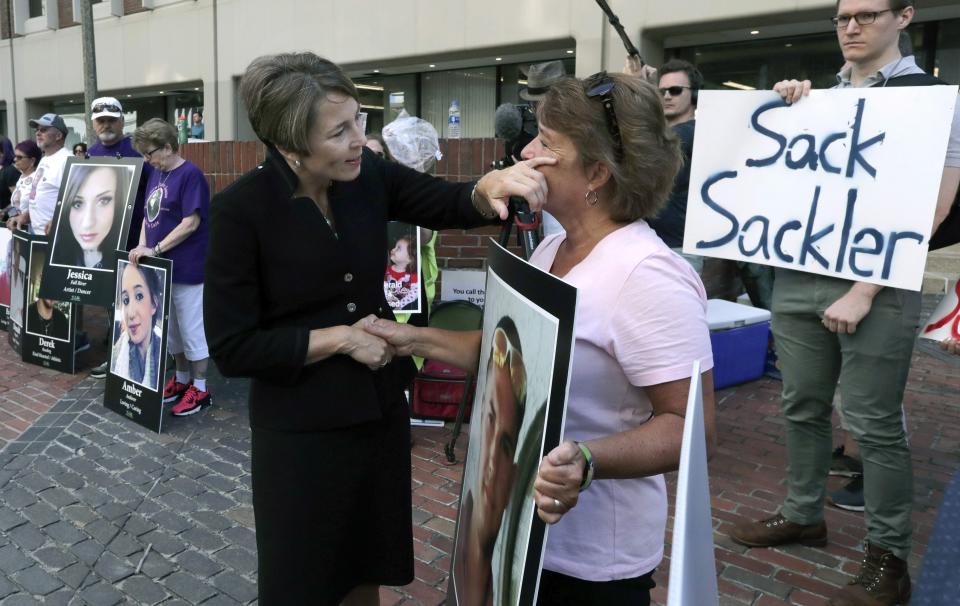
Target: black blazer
x=275, y=270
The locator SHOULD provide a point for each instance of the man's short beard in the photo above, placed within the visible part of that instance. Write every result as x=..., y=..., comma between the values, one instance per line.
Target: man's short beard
x=107, y=137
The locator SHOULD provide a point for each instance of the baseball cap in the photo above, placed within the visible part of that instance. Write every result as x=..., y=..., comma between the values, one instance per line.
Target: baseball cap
x=105, y=106
x=51, y=119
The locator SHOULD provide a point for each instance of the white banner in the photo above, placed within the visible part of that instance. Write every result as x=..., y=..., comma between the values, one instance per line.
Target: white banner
x=844, y=183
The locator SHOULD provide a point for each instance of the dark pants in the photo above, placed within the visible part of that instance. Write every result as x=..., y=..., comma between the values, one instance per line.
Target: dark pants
x=560, y=590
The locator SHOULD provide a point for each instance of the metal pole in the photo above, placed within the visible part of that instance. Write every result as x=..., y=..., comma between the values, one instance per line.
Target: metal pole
x=216, y=76
x=89, y=65
x=13, y=75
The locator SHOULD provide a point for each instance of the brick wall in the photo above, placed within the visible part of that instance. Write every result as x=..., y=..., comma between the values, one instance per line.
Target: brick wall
x=463, y=160
x=132, y=6
x=65, y=8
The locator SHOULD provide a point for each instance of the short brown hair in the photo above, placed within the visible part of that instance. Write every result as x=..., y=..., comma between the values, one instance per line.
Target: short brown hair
x=283, y=92
x=896, y=5
x=155, y=133
x=643, y=177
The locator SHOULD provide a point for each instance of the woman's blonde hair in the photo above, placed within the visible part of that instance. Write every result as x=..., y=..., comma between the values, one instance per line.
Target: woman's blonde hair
x=642, y=177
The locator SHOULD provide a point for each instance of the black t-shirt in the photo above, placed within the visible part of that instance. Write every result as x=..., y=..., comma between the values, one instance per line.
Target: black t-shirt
x=9, y=175
x=670, y=222
x=57, y=326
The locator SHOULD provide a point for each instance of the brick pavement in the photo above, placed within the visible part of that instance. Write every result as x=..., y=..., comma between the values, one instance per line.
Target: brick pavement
x=28, y=391
x=85, y=494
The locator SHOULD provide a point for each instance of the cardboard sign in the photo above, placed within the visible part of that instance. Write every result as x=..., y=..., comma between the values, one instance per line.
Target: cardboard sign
x=48, y=325
x=843, y=183
x=463, y=285
x=944, y=322
x=525, y=358
x=90, y=223
x=138, y=354
x=692, y=581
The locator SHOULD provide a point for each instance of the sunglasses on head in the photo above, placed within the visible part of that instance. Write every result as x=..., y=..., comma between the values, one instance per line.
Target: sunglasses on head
x=104, y=107
x=504, y=356
x=675, y=91
x=600, y=86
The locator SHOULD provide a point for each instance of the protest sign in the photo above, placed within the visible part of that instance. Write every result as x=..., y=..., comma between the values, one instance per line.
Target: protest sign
x=138, y=355
x=48, y=325
x=944, y=322
x=91, y=221
x=843, y=183
x=6, y=273
x=19, y=262
x=463, y=285
x=525, y=357
x=402, y=281
x=692, y=545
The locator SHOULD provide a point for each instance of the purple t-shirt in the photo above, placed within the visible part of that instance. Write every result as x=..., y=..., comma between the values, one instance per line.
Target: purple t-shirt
x=171, y=196
x=124, y=149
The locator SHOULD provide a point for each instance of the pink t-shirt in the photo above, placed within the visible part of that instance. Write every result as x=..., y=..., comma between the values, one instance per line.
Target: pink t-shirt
x=641, y=320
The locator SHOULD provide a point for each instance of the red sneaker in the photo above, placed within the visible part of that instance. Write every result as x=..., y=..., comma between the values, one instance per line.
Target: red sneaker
x=193, y=401
x=174, y=390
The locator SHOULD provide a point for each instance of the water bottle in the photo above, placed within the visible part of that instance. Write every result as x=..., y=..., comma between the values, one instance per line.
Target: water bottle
x=453, y=121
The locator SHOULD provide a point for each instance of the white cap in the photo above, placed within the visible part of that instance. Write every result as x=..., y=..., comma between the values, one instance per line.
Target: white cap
x=106, y=106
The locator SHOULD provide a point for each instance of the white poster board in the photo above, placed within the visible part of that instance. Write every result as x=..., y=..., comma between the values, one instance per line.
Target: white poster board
x=463, y=285
x=944, y=322
x=693, y=581
x=843, y=183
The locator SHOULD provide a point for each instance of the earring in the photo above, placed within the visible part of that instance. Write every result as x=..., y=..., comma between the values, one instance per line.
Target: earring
x=592, y=201
x=296, y=163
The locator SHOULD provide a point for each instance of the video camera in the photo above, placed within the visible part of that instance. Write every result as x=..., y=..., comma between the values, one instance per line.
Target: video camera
x=517, y=125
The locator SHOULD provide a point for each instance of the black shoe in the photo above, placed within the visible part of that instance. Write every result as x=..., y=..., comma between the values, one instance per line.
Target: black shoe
x=82, y=343
x=100, y=372
x=843, y=465
x=850, y=497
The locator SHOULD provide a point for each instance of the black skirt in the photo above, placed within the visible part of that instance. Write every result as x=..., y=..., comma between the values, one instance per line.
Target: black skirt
x=332, y=509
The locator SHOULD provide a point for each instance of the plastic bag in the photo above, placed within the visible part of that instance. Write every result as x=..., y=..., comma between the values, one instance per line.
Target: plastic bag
x=413, y=142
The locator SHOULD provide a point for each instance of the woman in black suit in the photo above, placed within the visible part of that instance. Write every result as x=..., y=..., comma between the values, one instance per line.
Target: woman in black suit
x=295, y=263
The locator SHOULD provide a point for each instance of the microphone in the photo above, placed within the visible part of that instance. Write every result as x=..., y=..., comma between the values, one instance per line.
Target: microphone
x=507, y=122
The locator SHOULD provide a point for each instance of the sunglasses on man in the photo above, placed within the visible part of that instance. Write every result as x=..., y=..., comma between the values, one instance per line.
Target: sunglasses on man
x=104, y=107
x=675, y=91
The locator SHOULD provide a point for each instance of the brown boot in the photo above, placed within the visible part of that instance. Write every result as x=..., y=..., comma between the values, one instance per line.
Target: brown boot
x=779, y=531
x=883, y=581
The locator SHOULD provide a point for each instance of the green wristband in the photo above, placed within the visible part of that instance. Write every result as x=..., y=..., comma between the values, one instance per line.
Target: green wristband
x=587, y=468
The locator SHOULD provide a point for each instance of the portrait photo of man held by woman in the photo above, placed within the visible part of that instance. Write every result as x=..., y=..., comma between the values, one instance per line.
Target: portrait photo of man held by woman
x=90, y=223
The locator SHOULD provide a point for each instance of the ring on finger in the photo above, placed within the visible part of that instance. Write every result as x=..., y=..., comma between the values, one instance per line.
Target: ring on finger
x=557, y=504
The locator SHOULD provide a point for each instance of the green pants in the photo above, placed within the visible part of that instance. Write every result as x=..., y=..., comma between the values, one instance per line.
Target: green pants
x=871, y=366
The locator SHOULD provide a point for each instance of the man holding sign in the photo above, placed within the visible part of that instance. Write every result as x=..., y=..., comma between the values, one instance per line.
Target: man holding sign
x=829, y=329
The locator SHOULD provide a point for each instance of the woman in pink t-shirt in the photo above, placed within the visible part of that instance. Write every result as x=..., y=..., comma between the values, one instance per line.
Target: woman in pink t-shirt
x=641, y=323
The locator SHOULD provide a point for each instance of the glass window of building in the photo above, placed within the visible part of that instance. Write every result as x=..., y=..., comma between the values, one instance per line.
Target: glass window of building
x=429, y=95
x=36, y=8
x=946, y=64
x=474, y=90
x=382, y=98
x=760, y=64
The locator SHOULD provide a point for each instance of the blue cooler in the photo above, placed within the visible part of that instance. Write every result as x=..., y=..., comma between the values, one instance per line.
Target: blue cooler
x=739, y=335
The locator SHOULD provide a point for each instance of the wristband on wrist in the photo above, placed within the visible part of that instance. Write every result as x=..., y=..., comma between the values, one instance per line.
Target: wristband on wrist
x=587, y=467
x=156, y=250
x=487, y=214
